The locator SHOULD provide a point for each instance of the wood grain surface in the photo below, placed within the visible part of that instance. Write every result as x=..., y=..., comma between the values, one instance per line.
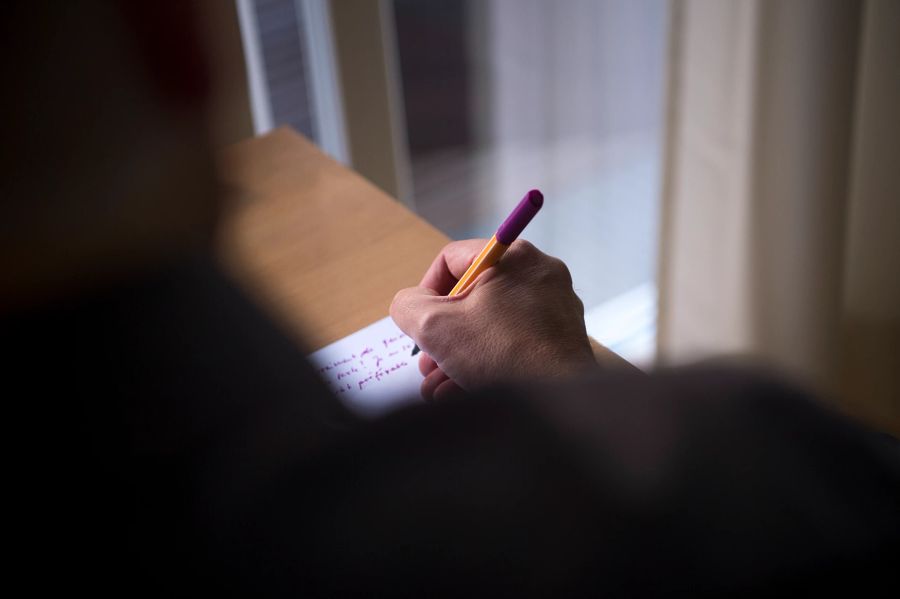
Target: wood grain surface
x=317, y=245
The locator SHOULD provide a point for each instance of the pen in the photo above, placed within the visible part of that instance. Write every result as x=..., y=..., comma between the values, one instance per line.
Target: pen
x=514, y=224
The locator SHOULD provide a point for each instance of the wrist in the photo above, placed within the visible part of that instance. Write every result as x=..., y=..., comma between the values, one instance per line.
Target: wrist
x=573, y=360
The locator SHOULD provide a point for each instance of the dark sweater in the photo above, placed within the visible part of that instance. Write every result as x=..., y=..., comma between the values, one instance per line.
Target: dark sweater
x=168, y=439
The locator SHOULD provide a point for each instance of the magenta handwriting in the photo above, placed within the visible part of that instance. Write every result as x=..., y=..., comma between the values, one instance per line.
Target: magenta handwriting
x=390, y=340
x=334, y=364
x=346, y=373
x=380, y=374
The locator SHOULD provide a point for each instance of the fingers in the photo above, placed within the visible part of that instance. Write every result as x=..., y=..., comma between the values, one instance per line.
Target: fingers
x=521, y=253
x=437, y=386
x=426, y=317
x=447, y=390
x=431, y=382
x=407, y=307
x=451, y=264
x=426, y=364
x=524, y=261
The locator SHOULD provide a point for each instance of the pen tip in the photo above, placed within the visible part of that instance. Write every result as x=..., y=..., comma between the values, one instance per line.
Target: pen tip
x=415, y=350
x=536, y=198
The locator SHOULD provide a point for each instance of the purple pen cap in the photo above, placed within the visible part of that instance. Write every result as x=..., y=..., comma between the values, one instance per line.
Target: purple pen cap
x=519, y=218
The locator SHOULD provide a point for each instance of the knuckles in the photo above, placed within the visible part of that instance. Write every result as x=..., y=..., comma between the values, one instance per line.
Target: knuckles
x=402, y=311
x=525, y=262
x=552, y=271
x=524, y=247
x=424, y=322
x=428, y=323
x=559, y=270
x=553, y=266
x=424, y=317
x=397, y=303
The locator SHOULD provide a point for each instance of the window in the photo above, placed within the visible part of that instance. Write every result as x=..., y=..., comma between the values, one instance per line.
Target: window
x=505, y=95
x=291, y=70
x=487, y=99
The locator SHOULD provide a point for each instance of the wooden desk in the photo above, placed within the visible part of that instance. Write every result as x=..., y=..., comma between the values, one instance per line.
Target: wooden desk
x=317, y=244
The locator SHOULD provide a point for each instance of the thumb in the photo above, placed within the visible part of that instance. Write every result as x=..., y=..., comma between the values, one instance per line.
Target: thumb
x=423, y=315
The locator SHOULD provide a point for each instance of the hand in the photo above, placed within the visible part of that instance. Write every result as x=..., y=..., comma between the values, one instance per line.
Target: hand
x=519, y=319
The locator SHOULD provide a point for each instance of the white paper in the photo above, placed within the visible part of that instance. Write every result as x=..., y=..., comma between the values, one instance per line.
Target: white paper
x=371, y=370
